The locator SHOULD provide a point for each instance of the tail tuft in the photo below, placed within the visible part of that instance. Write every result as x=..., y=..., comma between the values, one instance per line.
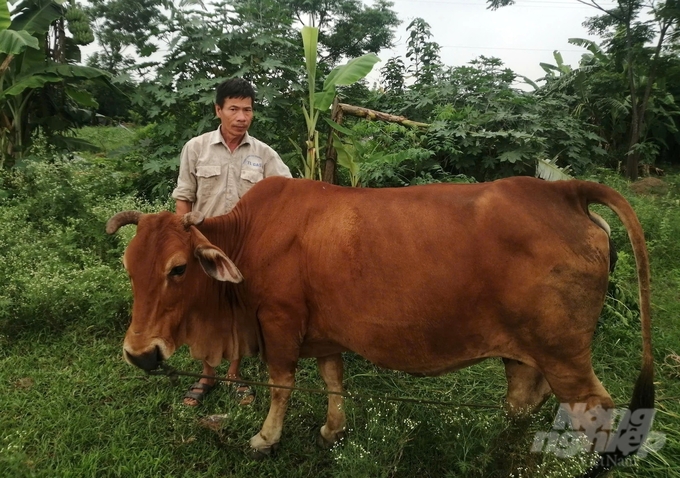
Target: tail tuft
x=633, y=428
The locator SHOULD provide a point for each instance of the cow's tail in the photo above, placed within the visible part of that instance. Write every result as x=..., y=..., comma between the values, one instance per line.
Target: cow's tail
x=637, y=422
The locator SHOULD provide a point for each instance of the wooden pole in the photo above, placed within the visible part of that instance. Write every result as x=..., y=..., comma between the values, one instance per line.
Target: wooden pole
x=373, y=115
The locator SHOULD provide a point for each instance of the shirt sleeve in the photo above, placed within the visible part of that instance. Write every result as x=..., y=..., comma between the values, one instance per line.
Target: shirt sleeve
x=186, y=181
x=274, y=165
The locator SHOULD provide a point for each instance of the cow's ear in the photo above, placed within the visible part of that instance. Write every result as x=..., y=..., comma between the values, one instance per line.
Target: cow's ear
x=216, y=264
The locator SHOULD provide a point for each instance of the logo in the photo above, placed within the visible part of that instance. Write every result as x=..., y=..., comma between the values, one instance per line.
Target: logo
x=620, y=431
x=253, y=161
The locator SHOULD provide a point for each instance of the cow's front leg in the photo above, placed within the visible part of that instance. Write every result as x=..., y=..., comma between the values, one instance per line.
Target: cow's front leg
x=266, y=441
x=331, y=369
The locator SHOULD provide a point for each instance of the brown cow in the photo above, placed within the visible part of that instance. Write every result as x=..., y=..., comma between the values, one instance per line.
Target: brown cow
x=425, y=279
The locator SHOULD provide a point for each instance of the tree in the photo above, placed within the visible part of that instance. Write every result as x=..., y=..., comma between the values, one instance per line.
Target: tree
x=347, y=28
x=641, y=51
x=257, y=40
x=32, y=63
x=423, y=53
x=627, y=39
x=425, y=69
x=123, y=24
x=319, y=102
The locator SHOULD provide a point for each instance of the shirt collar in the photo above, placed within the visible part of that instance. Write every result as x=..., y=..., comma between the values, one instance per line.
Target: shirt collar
x=217, y=137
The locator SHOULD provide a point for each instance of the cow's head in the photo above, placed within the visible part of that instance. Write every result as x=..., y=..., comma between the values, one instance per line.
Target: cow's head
x=167, y=262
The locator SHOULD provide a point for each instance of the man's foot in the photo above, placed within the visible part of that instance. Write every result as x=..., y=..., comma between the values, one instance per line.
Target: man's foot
x=245, y=395
x=196, y=393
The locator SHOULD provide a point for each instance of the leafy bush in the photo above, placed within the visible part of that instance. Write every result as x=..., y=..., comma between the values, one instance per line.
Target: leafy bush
x=506, y=137
x=59, y=266
x=130, y=161
x=482, y=126
x=391, y=155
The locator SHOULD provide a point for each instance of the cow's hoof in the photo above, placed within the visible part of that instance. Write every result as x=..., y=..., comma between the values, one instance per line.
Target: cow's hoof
x=326, y=443
x=263, y=453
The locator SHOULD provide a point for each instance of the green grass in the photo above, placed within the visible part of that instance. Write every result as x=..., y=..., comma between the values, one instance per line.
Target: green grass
x=70, y=406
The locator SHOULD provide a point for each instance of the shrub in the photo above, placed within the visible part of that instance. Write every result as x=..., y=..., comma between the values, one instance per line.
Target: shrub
x=59, y=266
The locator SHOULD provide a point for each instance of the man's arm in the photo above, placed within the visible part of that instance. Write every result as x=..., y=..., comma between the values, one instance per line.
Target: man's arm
x=185, y=192
x=182, y=207
x=274, y=166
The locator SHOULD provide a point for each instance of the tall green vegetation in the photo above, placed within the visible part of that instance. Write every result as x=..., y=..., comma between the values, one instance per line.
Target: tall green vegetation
x=319, y=102
x=257, y=40
x=57, y=266
x=625, y=86
x=640, y=52
x=39, y=78
x=482, y=125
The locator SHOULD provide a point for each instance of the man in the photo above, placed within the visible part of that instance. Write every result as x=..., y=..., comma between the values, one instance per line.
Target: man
x=216, y=170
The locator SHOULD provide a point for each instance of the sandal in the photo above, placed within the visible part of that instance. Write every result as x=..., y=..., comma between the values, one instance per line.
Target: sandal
x=204, y=390
x=244, y=394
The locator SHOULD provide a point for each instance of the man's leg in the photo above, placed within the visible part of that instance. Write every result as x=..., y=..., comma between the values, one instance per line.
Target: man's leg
x=244, y=394
x=200, y=389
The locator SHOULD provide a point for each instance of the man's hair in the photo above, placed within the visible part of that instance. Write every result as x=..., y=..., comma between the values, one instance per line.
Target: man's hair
x=234, y=88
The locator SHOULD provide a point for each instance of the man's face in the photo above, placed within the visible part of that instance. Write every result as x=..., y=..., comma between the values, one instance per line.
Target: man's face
x=235, y=114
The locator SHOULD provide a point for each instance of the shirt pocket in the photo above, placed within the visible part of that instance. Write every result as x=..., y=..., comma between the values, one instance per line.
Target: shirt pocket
x=249, y=176
x=208, y=179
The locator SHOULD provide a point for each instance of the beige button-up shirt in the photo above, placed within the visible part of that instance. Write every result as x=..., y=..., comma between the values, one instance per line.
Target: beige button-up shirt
x=214, y=179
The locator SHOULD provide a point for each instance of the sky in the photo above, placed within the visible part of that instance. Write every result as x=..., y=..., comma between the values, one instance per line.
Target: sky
x=522, y=35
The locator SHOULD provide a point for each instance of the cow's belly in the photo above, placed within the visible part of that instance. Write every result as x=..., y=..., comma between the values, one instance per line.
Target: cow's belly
x=423, y=361
x=413, y=364
x=427, y=350
x=320, y=348
x=425, y=364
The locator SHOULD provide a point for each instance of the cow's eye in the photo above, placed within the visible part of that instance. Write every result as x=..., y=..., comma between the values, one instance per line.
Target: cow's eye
x=178, y=270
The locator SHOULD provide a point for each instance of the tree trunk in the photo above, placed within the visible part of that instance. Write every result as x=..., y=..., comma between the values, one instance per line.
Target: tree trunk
x=633, y=157
x=632, y=164
x=60, y=42
x=331, y=165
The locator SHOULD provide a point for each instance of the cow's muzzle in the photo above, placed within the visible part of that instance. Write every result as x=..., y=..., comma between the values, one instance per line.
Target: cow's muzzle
x=147, y=361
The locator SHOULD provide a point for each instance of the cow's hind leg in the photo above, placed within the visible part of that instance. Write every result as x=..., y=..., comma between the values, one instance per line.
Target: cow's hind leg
x=527, y=388
x=331, y=369
x=266, y=441
x=585, y=400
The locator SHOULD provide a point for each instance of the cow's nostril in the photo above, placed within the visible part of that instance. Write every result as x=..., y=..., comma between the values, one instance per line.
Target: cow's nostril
x=148, y=360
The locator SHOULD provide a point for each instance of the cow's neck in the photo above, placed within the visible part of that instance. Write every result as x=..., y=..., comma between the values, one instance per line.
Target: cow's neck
x=221, y=328
x=225, y=232
x=232, y=325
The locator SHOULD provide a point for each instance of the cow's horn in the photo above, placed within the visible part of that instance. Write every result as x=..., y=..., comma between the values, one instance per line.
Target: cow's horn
x=193, y=218
x=122, y=219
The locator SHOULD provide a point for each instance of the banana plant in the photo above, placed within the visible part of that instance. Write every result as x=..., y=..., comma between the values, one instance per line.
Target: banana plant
x=548, y=170
x=320, y=101
x=26, y=68
x=558, y=69
x=346, y=159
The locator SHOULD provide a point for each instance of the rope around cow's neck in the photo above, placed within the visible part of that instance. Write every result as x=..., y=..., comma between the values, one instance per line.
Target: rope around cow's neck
x=172, y=374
